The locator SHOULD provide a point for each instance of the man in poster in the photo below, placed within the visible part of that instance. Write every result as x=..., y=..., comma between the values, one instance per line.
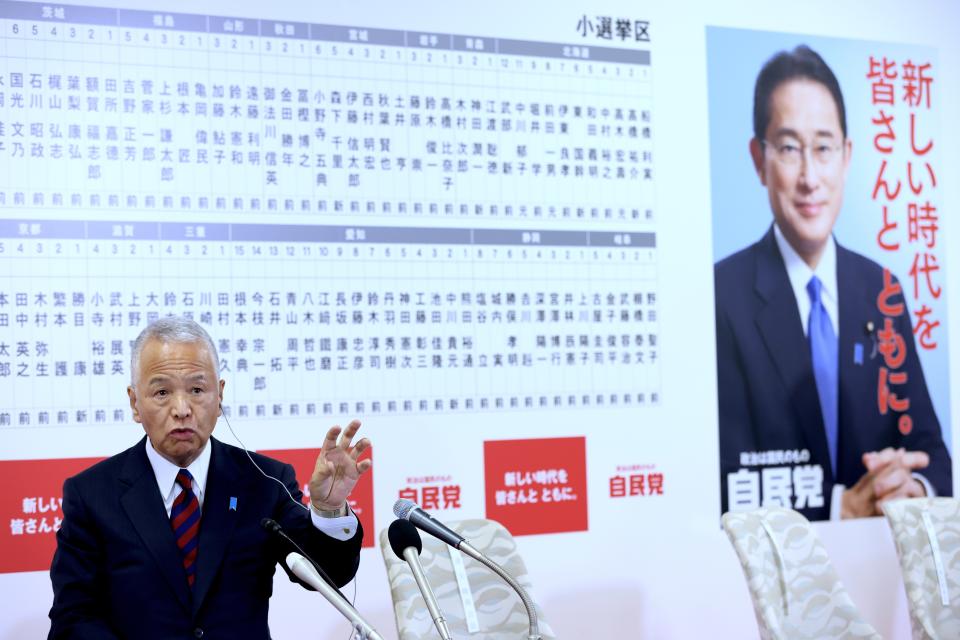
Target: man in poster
x=800, y=334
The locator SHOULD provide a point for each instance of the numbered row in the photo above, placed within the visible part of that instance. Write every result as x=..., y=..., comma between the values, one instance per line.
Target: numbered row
x=16, y=34
x=12, y=249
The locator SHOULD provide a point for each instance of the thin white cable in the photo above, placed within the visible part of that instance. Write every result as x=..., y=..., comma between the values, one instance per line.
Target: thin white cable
x=353, y=598
x=253, y=462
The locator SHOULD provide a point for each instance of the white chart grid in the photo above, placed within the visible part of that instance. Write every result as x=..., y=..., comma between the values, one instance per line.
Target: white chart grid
x=366, y=221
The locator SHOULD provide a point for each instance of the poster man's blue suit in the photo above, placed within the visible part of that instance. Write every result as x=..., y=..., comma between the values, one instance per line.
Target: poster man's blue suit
x=767, y=392
x=117, y=572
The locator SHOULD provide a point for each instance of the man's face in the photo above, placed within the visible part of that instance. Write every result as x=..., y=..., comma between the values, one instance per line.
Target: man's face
x=176, y=398
x=803, y=163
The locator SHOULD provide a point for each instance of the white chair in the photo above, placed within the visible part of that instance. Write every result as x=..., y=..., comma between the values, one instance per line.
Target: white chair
x=496, y=611
x=927, y=534
x=795, y=591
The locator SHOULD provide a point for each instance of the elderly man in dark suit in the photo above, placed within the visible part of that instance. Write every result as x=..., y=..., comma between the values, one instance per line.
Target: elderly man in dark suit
x=164, y=539
x=799, y=321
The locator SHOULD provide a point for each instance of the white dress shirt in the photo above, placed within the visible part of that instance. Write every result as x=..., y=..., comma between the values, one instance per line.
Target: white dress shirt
x=800, y=273
x=342, y=528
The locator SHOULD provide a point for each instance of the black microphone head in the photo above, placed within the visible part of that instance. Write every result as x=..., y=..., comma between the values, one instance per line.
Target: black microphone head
x=271, y=525
x=403, y=507
x=403, y=535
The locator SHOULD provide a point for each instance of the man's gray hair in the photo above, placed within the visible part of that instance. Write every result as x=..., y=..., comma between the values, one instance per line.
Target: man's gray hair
x=172, y=329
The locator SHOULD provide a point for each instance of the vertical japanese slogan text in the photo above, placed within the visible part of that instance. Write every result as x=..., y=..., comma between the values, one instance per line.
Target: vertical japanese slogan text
x=901, y=96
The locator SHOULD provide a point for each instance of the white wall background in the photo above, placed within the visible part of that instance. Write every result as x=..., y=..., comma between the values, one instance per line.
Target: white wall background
x=645, y=568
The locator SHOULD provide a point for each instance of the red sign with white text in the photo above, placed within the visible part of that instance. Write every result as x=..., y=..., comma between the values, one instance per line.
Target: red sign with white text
x=361, y=499
x=31, y=504
x=537, y=486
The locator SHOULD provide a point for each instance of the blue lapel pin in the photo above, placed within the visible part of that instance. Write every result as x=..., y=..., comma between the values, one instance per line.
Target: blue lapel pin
x=857, y=353
x=233, y=503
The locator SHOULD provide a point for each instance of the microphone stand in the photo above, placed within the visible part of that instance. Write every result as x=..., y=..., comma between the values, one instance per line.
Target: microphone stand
x=534, y=631
x=408, y=510
x=302, y=568
x=410, y=554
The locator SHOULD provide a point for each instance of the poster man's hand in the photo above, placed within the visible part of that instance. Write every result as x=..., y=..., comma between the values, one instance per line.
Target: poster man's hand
x=889, y=476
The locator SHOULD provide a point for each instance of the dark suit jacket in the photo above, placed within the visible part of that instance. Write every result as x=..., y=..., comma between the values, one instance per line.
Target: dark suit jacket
x=767, y=393
x=117, y=571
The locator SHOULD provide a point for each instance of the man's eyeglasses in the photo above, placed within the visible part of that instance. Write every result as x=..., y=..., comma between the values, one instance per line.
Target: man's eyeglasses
x=790, y=153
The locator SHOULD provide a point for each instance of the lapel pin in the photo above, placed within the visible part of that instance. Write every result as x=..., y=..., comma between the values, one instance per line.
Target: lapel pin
x=233, y=503
x=857, y=353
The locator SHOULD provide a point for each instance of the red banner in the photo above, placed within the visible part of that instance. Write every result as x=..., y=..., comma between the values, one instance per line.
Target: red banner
x=31, y=504
x=537, y=486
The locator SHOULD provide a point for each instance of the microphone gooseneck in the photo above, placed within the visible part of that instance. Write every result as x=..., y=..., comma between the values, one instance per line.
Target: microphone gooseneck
x=534, y=625
x=408, y=510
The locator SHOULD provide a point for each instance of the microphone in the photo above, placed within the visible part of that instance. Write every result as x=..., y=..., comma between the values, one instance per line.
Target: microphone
x=273, y=528
x=405, y=542
x=408, y=510
x=303, y=569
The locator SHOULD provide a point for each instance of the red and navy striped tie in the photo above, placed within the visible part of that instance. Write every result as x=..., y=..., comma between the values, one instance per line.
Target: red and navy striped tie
x=185, y=519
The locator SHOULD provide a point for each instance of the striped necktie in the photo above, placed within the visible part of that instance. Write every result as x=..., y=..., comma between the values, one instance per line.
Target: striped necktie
x=185, y=519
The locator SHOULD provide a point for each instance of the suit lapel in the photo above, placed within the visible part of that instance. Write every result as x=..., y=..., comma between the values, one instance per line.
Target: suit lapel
x=218, y=521
x=778, y=321
x=857, y=310
x=144, y=506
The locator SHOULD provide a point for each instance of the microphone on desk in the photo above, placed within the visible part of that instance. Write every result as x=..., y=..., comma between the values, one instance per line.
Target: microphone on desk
x=406, y=544
x=304, y=569
x=313, y=576
x=408, y=510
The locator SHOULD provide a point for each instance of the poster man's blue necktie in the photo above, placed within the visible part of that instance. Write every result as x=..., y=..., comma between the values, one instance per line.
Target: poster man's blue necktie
x=826, y=362
x=185, y=519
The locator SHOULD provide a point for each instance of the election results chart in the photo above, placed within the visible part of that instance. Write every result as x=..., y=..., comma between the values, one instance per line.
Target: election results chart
x=367, y=221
